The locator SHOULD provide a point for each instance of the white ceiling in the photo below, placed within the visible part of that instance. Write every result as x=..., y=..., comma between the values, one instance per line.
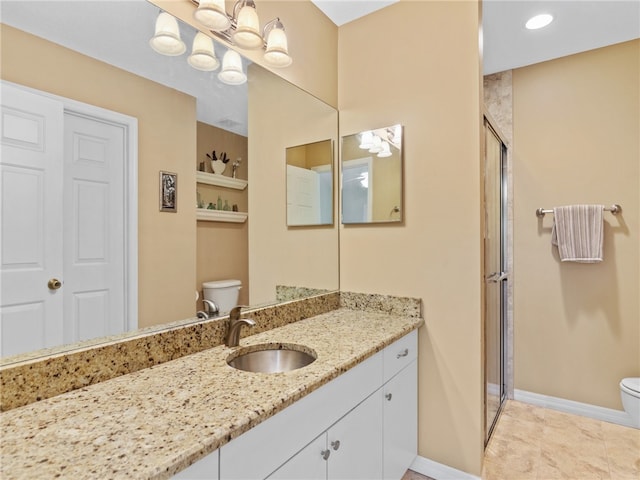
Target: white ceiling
x=579, y=25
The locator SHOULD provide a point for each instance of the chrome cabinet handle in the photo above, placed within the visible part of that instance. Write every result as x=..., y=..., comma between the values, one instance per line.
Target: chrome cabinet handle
x=335, y=445
x=325, y=454
x=403, y=353
x=388, y=396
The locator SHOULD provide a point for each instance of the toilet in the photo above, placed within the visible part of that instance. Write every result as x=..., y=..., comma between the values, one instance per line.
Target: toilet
x=224, y=293
x=630, y=393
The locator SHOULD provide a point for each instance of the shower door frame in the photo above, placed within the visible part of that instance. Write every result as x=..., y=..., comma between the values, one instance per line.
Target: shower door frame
x=504, y=271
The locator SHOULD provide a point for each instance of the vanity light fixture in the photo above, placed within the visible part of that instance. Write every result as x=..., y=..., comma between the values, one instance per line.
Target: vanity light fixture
x=211, y=14
x=243, y=29
x=386, y=150
x=277, y=52
x=380, y=141
x=366, y=140
x=232, y=73
x=376, y=146
x=539, y=21
x=166, y=39
x=203, y=55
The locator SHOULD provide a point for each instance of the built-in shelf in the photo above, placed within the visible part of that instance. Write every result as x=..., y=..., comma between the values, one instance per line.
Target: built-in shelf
x=220, y=216
x=221, y=180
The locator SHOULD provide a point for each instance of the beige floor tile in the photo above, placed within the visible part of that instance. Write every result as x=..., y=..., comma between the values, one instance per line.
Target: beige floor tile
x=523, y=411
x=623, y=451
x=411, y=475
x=535, y=443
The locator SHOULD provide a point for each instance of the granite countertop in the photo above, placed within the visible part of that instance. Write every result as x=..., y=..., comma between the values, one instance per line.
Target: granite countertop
x=154, y=422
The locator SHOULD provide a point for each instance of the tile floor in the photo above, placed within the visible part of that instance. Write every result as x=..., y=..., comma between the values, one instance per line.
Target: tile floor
x=534, y=443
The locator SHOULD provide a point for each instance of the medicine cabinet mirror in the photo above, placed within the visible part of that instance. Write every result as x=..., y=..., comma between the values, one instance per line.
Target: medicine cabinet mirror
x=372, y=176
x=310, y=184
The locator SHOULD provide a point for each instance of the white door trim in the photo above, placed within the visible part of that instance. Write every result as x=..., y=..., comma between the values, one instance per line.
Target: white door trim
x=130, y=126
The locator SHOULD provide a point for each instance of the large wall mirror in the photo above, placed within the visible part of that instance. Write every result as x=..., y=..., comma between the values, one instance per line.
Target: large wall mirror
x=98, y=53
x=372, y=176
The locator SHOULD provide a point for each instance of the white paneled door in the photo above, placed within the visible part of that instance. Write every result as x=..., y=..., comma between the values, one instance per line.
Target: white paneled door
x=63, y=224
x=31, y=237
x=93, y=255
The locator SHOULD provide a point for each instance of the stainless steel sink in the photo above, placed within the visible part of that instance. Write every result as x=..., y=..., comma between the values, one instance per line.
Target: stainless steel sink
x=272, y=358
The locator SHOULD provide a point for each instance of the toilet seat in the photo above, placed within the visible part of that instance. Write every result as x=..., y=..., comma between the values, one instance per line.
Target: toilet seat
x=631, y=386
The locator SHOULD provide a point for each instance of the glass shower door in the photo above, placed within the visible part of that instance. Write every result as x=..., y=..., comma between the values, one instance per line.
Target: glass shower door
x=495, y=275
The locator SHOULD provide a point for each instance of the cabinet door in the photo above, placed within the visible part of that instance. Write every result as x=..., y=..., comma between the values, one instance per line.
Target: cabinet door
x=355, y=442
x=204, y=469
x=308, y=464
x=400, y=414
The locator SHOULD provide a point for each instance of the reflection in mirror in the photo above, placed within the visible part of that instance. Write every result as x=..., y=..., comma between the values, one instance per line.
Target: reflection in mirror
x=372, y=176
x=98, y=53
x=310, y=184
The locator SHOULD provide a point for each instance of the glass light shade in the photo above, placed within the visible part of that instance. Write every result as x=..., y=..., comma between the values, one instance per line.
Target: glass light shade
x=386, y=150
x=211, y=14
x=277, y=53
x=231, y=72
x=376, y=146
x=366, y=141
x=166, y=39
x=203, y=56
x=247, y=33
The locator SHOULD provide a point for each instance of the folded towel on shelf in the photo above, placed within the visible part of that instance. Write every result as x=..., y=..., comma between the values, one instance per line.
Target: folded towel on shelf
x=578, y=233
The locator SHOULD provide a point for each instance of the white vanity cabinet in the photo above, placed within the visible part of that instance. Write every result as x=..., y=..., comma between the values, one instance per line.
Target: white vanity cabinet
x=371, y=410
x=400, y=422
x=350, y=449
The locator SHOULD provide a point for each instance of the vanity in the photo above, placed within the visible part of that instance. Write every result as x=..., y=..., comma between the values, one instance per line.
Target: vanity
x=349, y=414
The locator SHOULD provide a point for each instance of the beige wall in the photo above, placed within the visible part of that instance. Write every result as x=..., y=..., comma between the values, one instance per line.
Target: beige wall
x=312, y=41
x=576, y=124
x=166, y=241
x=222, y=248
x=433, y=88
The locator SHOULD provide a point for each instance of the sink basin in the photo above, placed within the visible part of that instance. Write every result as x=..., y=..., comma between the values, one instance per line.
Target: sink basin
x=272, y=358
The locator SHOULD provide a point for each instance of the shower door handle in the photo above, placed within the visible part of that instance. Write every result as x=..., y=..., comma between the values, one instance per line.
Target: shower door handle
x=497, y=277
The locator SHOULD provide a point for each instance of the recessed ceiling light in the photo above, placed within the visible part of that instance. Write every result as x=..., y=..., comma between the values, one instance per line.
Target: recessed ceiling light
x=539, y=21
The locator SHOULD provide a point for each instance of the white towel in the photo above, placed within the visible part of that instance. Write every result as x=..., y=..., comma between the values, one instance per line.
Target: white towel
x=578, y=233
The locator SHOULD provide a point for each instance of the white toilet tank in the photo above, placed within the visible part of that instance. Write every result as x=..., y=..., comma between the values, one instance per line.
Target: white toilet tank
x=224, y=293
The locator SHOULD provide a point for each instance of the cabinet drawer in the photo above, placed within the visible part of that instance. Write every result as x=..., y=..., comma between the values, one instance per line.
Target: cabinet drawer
x=400, y=354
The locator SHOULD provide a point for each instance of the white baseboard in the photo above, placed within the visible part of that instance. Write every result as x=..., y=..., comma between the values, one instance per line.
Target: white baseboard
x=610, y=415
x=439, y=471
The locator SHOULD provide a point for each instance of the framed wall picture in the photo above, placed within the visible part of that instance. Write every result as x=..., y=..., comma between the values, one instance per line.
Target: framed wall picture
x=168, y=192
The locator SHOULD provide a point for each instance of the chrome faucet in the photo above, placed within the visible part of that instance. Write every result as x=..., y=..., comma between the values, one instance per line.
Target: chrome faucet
x=235, y=323
x=210, y=310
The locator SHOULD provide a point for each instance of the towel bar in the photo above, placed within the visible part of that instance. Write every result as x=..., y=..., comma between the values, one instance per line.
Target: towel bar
x=615, y=209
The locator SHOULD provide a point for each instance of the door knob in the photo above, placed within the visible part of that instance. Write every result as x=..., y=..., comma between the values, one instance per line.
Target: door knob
x=54, y=284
